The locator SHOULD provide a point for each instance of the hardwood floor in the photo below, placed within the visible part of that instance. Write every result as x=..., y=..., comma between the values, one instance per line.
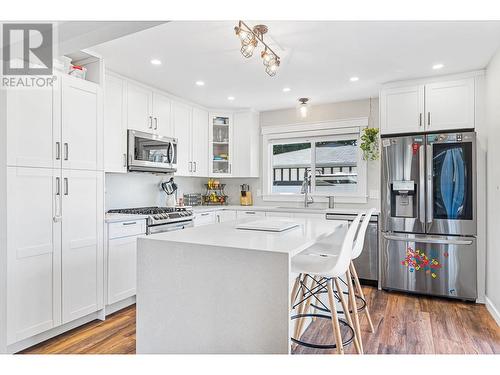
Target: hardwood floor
x=403, y=324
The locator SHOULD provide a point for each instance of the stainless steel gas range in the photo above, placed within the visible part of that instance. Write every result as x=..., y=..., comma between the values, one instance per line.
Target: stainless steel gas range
x=162, y=219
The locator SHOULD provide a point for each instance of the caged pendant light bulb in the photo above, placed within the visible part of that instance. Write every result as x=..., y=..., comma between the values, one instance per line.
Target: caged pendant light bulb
x=249, y=38
x=303, y=107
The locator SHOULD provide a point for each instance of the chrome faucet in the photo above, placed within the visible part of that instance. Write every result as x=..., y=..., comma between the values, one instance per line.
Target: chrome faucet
x=306, y=188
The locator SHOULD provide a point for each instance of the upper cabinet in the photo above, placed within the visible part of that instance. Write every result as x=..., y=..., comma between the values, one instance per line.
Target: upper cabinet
x=402, y=109
x=220, y=144
x=435, y=106
x=139, y=108
x=148, y=111
x=246, y=144
x=181, y=117
x=450, y=105
x=115, y=125
x=199, y=143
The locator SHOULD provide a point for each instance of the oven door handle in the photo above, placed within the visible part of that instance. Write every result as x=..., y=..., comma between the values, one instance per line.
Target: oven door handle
x=443, y=241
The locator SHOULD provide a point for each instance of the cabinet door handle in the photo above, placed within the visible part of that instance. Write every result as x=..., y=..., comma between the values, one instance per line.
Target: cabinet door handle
x=125, y=160
x=156, y=123
x=428, y=118
x=66, y=186
x=58, y=150
x=250, y=212
x=66, y=151
x=58, y=186
x=205, y=214
x=194, y=163
x=420, y=119
x=150, y=122
x=190, y=166
x=130, y=223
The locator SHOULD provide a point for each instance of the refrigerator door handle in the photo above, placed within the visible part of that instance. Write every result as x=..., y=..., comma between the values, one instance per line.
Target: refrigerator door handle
x=421, y=186
x=430, y=189
x=444, y=241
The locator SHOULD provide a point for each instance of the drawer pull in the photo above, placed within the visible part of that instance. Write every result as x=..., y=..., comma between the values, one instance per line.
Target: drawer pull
x=205, y=214
x=130, y=223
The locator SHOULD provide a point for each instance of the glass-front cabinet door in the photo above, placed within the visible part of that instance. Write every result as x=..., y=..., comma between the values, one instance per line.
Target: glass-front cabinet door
x=451, y=183
x=221, y=134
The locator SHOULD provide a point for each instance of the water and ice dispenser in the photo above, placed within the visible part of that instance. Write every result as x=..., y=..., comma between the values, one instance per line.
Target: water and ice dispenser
x=403, y=199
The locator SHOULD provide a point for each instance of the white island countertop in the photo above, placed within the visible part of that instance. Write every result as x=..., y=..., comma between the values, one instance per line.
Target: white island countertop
x=291, y=241
x=217, y=289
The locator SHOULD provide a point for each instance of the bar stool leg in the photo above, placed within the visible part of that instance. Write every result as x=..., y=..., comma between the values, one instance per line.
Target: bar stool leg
x=335, y=318
x=345, y=307
x=354, y=306
x=362, y=295
x=293, y=296
x=306, y=308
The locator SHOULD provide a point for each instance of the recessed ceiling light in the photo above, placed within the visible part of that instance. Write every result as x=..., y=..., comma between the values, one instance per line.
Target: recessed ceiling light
x=230, y=98
x=155, y=62
x=286, y=89
x=437, y=66
x=354, y=79
x=200, y=83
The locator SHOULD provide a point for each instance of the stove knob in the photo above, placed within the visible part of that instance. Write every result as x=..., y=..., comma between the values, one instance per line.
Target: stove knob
x=165, y=216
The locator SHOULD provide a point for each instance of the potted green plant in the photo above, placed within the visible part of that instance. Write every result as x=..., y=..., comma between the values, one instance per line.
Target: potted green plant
x=370, y=143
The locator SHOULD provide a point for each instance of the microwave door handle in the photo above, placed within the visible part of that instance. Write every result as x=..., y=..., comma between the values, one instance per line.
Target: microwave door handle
x=171, y=153
x=430, y=189
x=421, y=186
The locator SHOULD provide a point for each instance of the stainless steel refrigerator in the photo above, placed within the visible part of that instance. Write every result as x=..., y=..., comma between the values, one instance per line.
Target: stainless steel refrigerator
x=429, y=223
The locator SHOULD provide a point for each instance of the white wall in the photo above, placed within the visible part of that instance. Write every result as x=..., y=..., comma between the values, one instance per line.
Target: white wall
x=493, y=186
x=332, y=112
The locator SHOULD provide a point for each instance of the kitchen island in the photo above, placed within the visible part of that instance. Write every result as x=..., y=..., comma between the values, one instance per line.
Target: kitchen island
x=219, y=289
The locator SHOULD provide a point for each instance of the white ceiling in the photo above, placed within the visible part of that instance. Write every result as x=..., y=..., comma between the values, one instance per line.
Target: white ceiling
x=317, y=58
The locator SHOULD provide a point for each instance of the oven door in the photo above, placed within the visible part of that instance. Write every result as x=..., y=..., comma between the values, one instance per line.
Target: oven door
x=435, y=265
x=151, y=152
x=162, y=228
x=451, y=184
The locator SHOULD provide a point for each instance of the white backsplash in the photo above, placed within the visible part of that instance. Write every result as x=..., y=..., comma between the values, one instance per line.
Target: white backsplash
x=143, y=189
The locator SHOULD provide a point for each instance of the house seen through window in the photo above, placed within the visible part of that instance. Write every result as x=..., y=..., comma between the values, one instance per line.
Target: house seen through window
x=334, y=163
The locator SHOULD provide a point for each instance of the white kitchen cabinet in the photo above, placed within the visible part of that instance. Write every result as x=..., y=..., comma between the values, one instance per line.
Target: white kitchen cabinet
x=33, y=252
x=220, y=144
x=115, y=125
x=246, y=144
x=199, y=143
x=402, y=109
x=122, y=259
x=139, y=108
x=162, y=115
x=182, y=131
x=450, y=105
x=204, y=218
x=31, y=132
x=81, y=118
x=225, y=215
x=249, y=213
x=442, y=104
x=82, y=243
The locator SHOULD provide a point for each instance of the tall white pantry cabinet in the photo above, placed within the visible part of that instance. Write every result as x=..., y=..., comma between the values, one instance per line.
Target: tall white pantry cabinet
x=52, y=209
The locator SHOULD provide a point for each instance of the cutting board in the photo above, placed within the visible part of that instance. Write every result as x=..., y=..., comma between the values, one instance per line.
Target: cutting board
x=267, y=225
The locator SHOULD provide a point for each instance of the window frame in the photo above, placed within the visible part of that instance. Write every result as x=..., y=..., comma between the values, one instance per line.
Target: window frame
x=314, y=132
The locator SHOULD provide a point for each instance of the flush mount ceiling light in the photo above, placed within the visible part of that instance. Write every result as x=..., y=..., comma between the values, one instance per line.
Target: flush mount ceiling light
x=354, y=79
x=303, y=107
x=286, y=89
x=437, y=66
x=200, y=83
x=250, y=38
x=230, y=98
x=155, y=62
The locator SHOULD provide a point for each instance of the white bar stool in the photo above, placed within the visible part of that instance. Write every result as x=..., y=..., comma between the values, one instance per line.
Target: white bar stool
x=323, y=269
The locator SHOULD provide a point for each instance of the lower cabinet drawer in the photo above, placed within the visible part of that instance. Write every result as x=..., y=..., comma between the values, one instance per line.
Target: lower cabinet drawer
x=249, y=213
x=204, y=218
x=126, y=228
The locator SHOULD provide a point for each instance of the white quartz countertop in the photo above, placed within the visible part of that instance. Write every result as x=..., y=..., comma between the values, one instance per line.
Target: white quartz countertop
x=310, y=210
x=226, y=235
x=116, y=218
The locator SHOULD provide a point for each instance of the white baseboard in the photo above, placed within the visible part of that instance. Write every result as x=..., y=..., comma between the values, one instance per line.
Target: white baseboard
x=495, y=313
x=110, y=309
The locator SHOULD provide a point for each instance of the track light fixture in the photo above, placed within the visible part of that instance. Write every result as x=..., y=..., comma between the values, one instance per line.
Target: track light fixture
x=249, y=38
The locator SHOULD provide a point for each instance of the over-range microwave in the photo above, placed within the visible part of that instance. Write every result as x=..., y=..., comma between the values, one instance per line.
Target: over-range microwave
x=151, y=152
